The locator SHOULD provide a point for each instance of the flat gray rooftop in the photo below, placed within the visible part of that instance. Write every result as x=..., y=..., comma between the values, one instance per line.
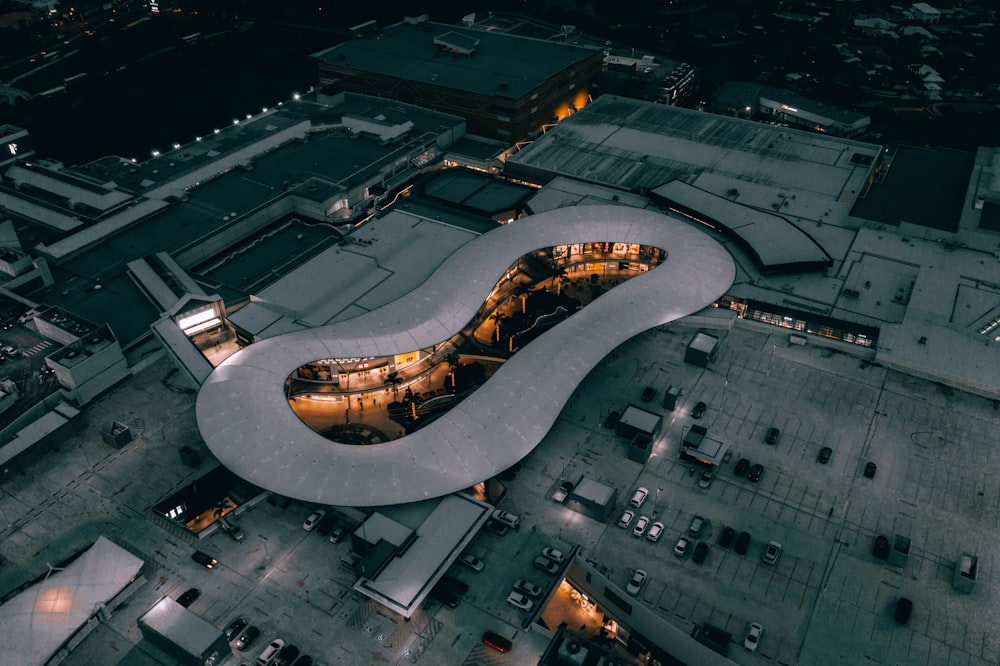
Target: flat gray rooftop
x=376, y=264
x=924, y=186
x=501, y=64
x=633, y=145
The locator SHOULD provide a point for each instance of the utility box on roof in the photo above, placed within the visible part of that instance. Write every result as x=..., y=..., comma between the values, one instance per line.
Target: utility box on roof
x=640, y=448
x=701, y=350
x=183, y=635
x=671, y=397
x=900, y=551
x=117, y=435
x=965, y=573
x=638, y=421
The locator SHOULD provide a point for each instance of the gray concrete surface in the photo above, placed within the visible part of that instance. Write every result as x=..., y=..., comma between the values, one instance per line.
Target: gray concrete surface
x=827, y=601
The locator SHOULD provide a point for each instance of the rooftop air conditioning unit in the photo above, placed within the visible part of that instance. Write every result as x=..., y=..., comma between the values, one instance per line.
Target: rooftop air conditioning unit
x=573, y=652
x=96, y=342
x=72, y=357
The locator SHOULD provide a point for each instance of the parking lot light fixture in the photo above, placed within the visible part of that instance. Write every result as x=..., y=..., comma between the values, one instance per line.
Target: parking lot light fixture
x=267, y=554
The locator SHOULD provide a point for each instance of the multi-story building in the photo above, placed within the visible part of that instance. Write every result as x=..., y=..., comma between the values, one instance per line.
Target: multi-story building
x=505, y=86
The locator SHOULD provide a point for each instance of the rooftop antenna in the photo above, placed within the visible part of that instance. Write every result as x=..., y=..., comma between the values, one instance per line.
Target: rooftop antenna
x=52, y=569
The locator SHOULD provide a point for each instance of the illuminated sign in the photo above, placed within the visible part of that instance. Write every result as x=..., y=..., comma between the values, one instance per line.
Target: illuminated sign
x=12, y=147
x=345, y=361
x=406, y=359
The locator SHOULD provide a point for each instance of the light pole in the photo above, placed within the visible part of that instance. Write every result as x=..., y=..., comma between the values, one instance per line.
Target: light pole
x=267, y=554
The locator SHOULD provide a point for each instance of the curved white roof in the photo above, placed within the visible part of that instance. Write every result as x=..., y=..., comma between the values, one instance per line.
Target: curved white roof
x=246, y=421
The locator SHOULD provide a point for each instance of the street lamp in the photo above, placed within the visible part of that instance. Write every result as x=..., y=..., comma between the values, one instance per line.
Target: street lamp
x=267, y=555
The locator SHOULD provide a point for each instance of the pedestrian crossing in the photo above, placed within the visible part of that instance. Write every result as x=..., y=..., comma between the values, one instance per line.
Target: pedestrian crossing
x=37, y=348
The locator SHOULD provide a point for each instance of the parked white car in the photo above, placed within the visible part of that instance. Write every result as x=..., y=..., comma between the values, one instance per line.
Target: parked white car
x=752, y=639
x=772, y=553
x=270, y=651
x=640, y=526
x=634, y=585
x=554, y=555
x=313, y=520
x=507, y=518
x=639, y=497
x=519, y=600
x=528, y=588
x=471, y=561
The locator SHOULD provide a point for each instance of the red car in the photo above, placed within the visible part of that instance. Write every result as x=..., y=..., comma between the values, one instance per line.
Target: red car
x=497, y=642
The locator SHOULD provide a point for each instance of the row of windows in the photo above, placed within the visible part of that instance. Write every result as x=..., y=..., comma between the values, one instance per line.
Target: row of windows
x=826, y=330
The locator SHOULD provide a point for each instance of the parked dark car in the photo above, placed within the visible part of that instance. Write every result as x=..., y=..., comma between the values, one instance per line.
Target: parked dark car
x=288, y=654
x=444, y=596
x=699, y=410
x=204, y=559
x=726, y=537
x=545, y=564
x=247, y=638
x=824, y=455
x=903, y=609
x=612, y=419
x=870, y=470
x=742, y=543
x=337, y=532
x=189, y=597
x=304, y=660
x=756, y=472
x=328, y=522
x=235, y=627
x=742, y=467
x=453, y=584
x=772, y=436
x=234, y=531
x=700, y=552
x=881, y=547
x=497, y=528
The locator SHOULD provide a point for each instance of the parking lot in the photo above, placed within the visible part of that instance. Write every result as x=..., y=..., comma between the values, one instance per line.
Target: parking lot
x=827, y=599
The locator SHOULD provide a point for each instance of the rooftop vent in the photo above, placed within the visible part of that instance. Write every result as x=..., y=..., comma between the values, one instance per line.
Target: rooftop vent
x=455, y=42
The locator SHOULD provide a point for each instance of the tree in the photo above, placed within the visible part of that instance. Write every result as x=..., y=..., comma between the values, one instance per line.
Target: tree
x=394, y=380
x=522, y=290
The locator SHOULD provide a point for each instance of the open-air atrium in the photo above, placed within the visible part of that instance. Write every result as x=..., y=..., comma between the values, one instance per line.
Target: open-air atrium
x=244, y=413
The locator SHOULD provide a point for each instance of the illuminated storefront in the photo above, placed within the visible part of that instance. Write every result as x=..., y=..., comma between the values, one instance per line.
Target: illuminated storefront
x=803, y=322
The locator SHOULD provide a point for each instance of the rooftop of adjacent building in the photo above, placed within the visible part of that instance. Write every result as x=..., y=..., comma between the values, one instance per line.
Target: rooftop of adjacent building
x=495, y=63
